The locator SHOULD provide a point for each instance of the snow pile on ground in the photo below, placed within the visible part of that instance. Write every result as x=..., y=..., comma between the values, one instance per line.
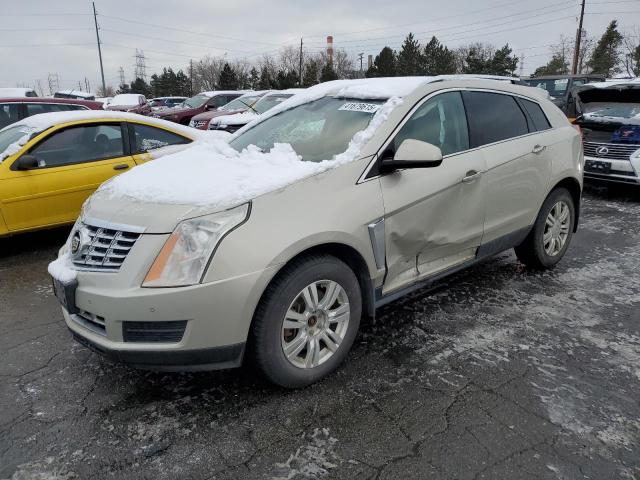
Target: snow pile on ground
x=211, y=173
x=313, y=460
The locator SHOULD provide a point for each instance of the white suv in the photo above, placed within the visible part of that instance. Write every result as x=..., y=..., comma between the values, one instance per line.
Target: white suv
x=273, y=246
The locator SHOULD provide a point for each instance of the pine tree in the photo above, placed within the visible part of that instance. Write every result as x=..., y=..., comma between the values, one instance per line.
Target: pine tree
x=384, y=64
x=328, y=73
x=311, y=73
x=254, y=78
x=265, y=79
x=605, y=58
x=438, y=59
x=502, y=62
x=228, y=78
x=141, y=87
x=410, y=57
x=286, y=80
x=183, y=84
x=556, y=66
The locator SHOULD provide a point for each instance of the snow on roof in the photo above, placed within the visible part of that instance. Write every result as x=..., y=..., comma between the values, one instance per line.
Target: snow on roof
x=125, y=99
x=77, y=93
x=212, y=174
x=43, y=121
x=211, y=93
x=614, y=82
x=15, y=92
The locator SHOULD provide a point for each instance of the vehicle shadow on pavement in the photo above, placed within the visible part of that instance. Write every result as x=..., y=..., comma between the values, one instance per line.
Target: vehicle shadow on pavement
x=613, y=191
x=26, y=243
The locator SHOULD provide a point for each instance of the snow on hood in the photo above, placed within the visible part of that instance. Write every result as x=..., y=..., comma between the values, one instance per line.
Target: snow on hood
x=39, y=123
x=125, y=100
x=617, y=82
x=235, y=119
x=211, y=173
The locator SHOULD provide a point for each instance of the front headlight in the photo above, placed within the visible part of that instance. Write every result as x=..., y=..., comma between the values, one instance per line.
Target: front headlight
x=217, y=126
x=186, y=253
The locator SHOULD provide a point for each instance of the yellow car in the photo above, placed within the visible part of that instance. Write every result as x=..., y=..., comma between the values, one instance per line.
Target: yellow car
x=51, y=163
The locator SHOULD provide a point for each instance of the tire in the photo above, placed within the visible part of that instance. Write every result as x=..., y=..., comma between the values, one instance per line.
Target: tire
x=534, y=252
x=285, y=297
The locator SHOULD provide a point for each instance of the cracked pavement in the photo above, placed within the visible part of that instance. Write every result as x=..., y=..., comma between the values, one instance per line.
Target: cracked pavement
x=497, y=373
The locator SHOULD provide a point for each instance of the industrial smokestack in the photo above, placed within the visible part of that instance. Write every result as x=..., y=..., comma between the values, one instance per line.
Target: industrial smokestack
x=369, y=61
x=330, y=48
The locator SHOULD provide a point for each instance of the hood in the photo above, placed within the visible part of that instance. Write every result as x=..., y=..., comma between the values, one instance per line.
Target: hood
x=215, y=113
x=235, y=118
x=608, y=103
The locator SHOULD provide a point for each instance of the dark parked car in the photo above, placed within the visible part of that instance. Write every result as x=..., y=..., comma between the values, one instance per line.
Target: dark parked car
x=241, y=104
x=130, y=102
x=14, y=109
x=560, y=87
x=205, y=101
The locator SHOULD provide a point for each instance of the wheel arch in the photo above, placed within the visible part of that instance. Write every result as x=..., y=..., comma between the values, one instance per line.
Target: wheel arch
x=575, y=189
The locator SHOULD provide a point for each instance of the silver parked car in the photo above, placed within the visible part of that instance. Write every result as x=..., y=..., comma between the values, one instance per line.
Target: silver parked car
x=274, y=246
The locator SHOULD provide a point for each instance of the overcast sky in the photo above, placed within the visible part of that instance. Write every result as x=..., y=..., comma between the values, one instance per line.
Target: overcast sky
x=39, y=37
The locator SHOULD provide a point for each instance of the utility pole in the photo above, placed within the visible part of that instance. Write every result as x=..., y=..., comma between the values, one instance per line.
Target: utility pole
x=521, y=64
x=190, y=77
x=576, y=52
x=300, y=61
x=95, y=20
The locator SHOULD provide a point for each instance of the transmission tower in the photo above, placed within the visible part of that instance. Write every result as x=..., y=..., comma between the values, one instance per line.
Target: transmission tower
x=141, y=68
x=121, y=71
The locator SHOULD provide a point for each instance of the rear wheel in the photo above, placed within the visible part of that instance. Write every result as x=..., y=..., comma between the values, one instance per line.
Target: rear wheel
x=551, y=234
x=307, y=321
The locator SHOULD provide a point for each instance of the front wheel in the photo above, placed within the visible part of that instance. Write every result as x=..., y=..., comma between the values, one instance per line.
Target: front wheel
x=307, y=321
x=551, y=234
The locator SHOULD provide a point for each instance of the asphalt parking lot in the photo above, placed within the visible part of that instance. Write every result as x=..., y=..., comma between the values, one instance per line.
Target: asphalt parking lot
x=498, y=373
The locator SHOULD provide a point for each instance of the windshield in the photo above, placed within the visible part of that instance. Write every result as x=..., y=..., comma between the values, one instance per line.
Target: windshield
x=196, y=102
x=317, y=130
x=269, y=101
x=241, y=103
x=11, y=135
x=556, y=87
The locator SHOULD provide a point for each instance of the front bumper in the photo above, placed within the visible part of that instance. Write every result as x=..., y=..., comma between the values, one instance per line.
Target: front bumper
x=621, y=171
x=214, y=317
x=216, y=358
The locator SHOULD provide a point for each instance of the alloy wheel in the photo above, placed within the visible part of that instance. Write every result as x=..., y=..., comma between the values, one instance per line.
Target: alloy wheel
x=556, y=230
x=315, y=324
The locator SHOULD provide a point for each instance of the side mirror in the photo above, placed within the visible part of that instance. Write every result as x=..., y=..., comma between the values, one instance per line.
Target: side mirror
x=412, y=154
x=209, y=107
x=27, y=162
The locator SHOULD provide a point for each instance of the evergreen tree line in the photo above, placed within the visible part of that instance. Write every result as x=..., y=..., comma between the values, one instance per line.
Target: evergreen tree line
x=611, y=54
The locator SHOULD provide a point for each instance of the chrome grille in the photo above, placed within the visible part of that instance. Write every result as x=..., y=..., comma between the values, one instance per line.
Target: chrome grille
x=105, y=249
x=199, y=123
x=614, y=151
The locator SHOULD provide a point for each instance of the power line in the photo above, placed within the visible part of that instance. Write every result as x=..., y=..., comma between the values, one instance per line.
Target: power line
x=40, y=45
x=155, y=25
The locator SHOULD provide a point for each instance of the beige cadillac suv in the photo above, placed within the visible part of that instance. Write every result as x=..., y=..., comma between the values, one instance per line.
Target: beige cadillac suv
x=272, y=246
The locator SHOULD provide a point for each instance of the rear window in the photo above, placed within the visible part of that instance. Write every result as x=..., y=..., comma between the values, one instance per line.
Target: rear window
x=493, y=117
x=537, y=116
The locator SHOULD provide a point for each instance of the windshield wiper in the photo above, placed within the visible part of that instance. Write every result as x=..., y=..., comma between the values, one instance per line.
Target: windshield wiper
x=248, y=106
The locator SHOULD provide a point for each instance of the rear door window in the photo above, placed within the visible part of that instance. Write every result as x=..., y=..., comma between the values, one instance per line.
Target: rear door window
x=493, y=117
x=536, y=115
x=149, y=138
x=9, y=113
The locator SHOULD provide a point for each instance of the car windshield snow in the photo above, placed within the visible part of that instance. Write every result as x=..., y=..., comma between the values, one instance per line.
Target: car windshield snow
x=316, y=130
x=240, y=103
x=269, y=101
x=195, y=102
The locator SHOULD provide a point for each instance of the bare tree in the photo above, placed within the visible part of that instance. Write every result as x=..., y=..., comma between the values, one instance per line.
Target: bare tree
x=586, y=49
x=631, y=51
x=342, y=63
x=206, y=73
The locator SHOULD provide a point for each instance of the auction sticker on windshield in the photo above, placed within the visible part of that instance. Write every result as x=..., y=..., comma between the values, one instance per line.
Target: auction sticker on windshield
x=360, y=107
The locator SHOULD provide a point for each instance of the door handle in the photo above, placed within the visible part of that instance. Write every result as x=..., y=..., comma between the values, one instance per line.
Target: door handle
x=538, y=149
x=122, y=166
x=471, y=175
